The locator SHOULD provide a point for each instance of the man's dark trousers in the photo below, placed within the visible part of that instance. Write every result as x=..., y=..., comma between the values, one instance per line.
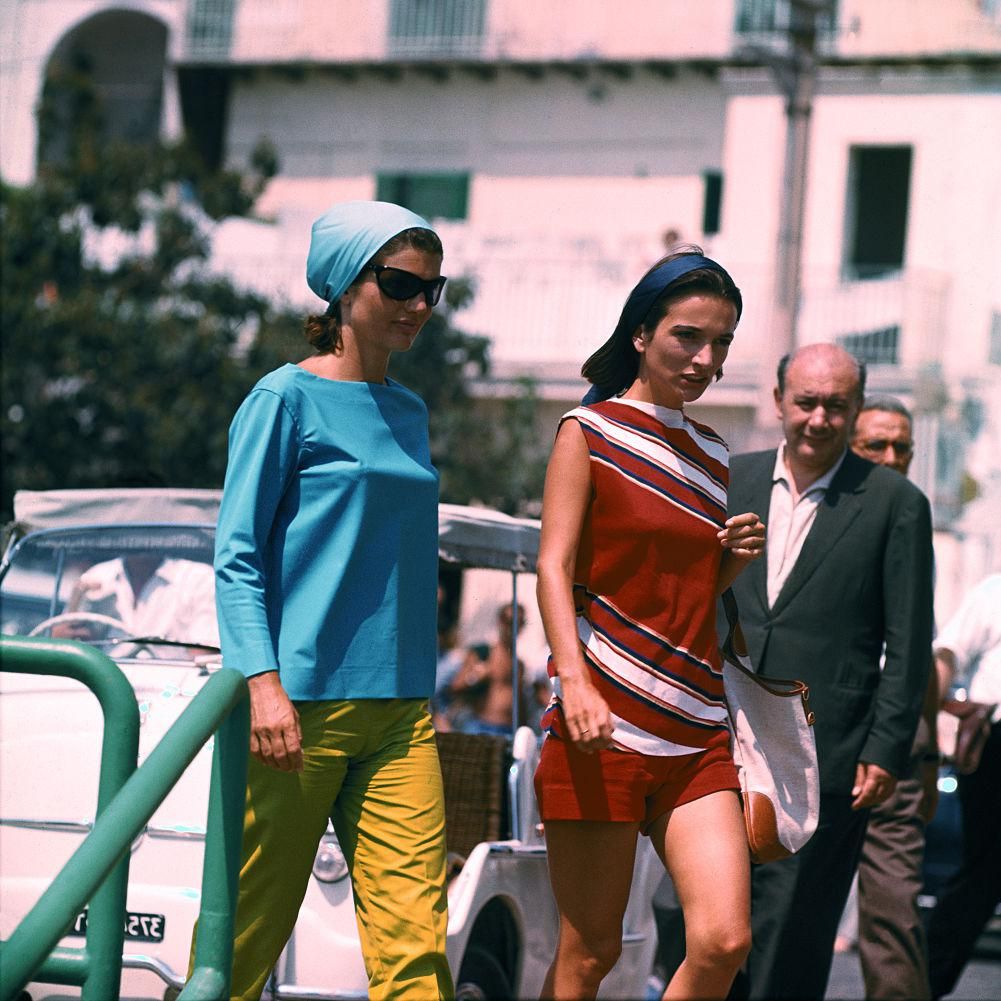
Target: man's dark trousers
x=797, y=902
x=891, y=936
x=972, y=894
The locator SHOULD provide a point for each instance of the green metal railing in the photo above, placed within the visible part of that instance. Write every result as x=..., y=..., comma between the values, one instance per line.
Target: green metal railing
x=127, y=798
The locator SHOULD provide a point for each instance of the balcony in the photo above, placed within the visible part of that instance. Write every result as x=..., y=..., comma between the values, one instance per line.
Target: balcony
x=519, y=31
x=436, y=29
x=551, y=314
x=546, y=307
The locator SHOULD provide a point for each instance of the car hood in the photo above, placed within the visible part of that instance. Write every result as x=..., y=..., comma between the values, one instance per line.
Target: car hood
x=50, y=744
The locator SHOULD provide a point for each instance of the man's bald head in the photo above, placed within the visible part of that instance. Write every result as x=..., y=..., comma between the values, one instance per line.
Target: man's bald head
x=819, y=393
x=828, y=355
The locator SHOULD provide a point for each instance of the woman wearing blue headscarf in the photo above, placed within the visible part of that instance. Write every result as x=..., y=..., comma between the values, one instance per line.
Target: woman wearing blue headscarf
x=326, y=586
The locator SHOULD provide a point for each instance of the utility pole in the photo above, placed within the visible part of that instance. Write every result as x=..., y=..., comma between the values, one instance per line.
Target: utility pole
x=795, y=72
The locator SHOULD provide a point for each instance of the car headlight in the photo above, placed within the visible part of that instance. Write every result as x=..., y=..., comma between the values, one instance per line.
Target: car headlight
x=330, y=865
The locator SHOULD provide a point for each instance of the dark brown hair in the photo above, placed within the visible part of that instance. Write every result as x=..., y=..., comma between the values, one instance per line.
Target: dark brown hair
x=613, y=367
x=323, y=330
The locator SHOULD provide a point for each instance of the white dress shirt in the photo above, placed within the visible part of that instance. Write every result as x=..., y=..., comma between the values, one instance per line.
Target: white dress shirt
x=973, y=634
x=176, y=603
x=789, y=523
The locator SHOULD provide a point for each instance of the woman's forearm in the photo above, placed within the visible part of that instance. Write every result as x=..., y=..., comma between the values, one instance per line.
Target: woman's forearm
x=729, y=570
x=554, y=591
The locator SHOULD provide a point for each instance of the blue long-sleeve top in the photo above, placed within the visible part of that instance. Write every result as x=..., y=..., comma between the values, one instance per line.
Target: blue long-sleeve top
x=326, y=546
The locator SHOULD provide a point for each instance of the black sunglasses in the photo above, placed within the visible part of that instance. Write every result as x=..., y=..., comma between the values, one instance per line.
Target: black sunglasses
x=402, y=285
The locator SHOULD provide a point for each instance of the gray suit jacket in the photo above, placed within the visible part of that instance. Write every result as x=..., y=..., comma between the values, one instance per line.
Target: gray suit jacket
x=863, y=578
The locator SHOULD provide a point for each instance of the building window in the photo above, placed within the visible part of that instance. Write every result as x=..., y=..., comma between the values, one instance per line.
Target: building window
x=436, y=27
x=434, y=196
x=994, y=347
x=879, y=185
x=210, y=28
x=712, y=184
x=204, y=93
x=762, y=16
x=874, y=347
x=121, y=83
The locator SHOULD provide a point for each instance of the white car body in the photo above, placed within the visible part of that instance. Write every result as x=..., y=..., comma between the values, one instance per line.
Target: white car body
x=501, y=911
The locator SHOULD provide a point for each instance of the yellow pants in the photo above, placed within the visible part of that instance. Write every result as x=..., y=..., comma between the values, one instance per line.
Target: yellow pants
x=372, y=767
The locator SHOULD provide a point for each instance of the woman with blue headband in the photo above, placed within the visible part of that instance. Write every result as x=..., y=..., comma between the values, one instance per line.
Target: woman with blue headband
x=635, y=548
x=326, y=587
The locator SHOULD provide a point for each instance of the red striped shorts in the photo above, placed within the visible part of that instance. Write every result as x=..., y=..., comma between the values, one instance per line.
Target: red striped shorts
x=624, y=785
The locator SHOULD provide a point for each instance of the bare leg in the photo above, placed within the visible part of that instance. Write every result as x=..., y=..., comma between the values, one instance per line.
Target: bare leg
x=704, y=847
x=590, y=932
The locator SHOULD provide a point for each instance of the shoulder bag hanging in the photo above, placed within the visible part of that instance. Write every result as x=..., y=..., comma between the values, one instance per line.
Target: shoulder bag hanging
x=771, y=729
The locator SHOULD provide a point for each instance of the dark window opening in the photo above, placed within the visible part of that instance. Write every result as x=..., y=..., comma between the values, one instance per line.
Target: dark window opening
x=107, y=75
x=879, y=183
x=204, y=94
x=712, y=181
x=434, y=196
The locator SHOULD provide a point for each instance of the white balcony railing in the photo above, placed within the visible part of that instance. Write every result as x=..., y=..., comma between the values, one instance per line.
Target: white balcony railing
x=547, y=313
x=436, y=28
x=585, y=30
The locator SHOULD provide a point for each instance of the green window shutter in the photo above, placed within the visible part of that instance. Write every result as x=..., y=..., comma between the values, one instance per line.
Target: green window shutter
x=434, y=196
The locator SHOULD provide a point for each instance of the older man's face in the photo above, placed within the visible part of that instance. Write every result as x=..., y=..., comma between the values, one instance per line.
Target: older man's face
x=818, y=409
x=884, y=437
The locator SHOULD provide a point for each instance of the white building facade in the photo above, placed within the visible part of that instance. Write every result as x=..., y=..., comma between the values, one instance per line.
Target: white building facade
x=561, y=147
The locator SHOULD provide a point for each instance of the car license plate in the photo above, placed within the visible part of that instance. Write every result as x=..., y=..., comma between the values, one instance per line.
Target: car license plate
x=139, y=927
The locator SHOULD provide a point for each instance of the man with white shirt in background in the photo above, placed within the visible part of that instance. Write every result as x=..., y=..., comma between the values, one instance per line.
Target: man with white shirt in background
x=968, y=653
x=172, y=599
x=149, y=593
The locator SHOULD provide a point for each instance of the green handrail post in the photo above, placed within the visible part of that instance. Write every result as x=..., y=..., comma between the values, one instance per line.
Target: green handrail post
x=210, y=978
x=34, y=940
x=65, y=966
x=117, y=827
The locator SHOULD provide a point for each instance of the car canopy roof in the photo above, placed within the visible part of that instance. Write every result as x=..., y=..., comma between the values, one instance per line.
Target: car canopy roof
x=469, y=536
x=37, y=509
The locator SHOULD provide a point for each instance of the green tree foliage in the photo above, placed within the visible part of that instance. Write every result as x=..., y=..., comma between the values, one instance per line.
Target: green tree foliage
x=133, y=363
x=486, y=449
x=135, y=360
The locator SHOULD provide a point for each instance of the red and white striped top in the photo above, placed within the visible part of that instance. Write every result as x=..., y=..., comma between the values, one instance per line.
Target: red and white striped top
x=647, y=568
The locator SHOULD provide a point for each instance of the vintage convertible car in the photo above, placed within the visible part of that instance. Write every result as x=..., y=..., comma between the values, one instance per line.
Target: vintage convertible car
x=502, y=921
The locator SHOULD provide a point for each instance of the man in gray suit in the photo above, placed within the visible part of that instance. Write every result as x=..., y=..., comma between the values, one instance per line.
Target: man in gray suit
x=848, y=569
x=891, y=936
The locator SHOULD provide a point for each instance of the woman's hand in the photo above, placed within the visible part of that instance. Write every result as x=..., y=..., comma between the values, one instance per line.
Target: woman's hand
x=275, y=733
x=743, y=536
x=589, y=724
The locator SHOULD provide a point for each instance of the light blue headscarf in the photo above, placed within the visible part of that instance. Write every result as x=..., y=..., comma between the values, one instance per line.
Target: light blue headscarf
x=346, y=237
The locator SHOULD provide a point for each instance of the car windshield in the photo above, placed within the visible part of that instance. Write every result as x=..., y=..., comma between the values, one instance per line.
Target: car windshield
x=109, y=583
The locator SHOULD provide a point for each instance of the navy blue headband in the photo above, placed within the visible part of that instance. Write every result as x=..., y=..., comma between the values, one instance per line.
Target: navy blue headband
x=649, y=289
x=652, y=286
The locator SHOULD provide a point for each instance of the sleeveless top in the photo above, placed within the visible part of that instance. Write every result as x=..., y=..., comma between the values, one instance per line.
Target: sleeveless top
x=645, y=582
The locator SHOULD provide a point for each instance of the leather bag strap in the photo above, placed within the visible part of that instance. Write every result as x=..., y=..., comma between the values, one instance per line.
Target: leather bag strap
x=734, y=649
